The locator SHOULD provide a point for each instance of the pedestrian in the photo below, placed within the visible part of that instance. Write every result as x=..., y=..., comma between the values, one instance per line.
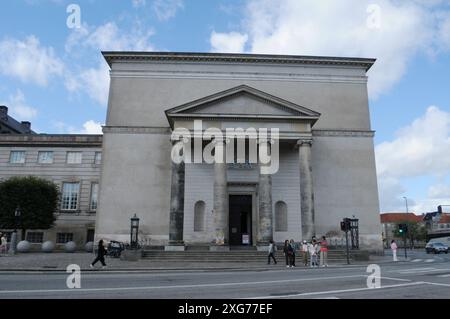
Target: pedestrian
x=293, y=249
x=101, y=252
x=394, y=250
x=3, y=244
x=272, y=250
x=313, y=254
x=324, y=252
x=305, y=253
x=287, y=252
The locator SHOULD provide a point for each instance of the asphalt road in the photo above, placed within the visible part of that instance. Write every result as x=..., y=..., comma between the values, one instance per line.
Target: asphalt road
x=418, y=278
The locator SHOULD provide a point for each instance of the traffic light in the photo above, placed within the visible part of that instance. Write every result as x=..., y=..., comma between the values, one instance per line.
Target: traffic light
x=345, y=225
x=402, y=229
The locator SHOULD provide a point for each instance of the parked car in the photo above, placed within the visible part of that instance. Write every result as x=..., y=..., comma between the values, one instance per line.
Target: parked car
x=436, y=248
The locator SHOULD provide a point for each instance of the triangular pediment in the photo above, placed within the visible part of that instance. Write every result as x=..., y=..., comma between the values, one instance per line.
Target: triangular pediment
x=242, y=102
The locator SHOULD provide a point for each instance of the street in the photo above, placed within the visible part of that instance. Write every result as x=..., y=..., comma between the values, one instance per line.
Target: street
x=427, y=277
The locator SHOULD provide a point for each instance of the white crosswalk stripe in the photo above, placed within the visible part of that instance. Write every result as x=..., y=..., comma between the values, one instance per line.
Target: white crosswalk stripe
x=416, y=260
x=429, y=260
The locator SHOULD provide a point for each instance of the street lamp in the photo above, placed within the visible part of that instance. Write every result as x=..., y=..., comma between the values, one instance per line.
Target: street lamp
x=134, y=231
x=405, y=231
x=13, y=244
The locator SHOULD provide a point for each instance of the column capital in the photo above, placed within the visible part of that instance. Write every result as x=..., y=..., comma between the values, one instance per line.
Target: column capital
x=305, y=141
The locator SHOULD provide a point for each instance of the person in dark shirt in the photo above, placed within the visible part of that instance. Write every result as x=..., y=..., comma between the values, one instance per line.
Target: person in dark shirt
x=101, y=252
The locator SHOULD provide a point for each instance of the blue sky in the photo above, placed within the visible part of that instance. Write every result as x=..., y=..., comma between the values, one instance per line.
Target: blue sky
x=55, y=77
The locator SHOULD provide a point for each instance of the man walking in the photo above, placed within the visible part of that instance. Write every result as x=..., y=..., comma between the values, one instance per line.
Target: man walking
x=305, y=253
x=101, y=252
x=272, y=250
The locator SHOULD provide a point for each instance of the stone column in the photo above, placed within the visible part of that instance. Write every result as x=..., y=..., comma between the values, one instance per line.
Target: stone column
x=220, y=212
x=265, y=225
x=306, y=188
x=176, y=205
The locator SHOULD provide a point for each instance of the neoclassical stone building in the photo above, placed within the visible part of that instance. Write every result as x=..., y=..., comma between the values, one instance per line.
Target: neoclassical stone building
x=325, y=169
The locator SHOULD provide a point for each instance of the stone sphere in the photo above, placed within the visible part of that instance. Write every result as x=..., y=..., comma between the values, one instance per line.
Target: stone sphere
x=48, y=246
x=89, y=247
x=70, y=247
x=23, y=246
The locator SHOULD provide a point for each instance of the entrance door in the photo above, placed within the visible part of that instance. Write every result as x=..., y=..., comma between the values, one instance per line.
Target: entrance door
x=240, y=221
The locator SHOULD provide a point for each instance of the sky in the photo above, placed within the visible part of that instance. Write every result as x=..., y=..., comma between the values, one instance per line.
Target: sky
x=52, y=72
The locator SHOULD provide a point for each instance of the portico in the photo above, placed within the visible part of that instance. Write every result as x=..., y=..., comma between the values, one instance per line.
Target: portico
x=239, y=114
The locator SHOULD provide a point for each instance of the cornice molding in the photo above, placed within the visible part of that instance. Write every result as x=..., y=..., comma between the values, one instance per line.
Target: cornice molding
x=343, y=133
x=130, y=57
x=137, y=130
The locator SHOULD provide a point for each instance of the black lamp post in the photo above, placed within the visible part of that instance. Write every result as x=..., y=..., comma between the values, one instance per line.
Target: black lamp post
x=134, y=231
x=13, y=244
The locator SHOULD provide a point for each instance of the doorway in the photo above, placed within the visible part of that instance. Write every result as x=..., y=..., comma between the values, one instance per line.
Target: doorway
x=240, y=220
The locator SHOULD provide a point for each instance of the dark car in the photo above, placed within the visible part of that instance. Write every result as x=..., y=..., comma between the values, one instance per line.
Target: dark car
x=436, y=248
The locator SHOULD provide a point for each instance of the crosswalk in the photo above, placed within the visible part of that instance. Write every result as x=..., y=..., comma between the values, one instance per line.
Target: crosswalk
x=429, y=260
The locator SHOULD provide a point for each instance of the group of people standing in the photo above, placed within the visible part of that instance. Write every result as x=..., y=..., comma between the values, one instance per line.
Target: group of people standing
x=311, y=252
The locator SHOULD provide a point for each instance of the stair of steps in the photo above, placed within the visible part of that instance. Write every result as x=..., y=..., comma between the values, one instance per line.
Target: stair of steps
x=251, y=255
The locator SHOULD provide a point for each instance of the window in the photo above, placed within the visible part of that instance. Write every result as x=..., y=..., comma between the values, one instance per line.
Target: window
x=98, y=158
x=199, y=216
x=62, y=238
x=281, y=216
x=74, y=157
x=94, y=196
x=17, y=157
x=45, y=157
x=70, y=196
x=35, y=237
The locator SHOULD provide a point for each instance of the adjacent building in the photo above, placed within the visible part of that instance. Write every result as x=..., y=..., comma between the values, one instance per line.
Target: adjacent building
x=73, y=162
x=390, y=222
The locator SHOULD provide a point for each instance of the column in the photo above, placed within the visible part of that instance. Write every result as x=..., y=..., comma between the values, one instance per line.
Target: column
x=265, y=225
x=176, y=203
x=220, y=212
x=306, y=188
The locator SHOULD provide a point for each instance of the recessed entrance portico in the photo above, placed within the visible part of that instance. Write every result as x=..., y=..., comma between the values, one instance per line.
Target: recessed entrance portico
x=245, y=110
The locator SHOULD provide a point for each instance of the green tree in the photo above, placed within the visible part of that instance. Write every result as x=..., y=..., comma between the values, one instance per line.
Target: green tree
x=416, y=231
x=37, y=199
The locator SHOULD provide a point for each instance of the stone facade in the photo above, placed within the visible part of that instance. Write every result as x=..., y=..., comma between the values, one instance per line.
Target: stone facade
x=78, y=223
x=327, y=167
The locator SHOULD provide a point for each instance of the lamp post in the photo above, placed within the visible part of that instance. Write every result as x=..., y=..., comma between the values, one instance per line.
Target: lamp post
x=404, y=235
x=13, y=243
x=134, y=232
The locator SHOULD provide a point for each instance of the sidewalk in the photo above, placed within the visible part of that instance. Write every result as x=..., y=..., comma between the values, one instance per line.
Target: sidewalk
x=59, y=261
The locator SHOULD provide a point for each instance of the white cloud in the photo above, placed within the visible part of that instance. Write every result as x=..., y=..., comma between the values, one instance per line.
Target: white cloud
x=167, y=9
x=29, y=61
x=18, y=107
x=232, y=42
x=421, y=148
x=393, y=32
x=94, y=81
x=92, y=127
x=109, y=37
x=439, y=191
x=89, y=127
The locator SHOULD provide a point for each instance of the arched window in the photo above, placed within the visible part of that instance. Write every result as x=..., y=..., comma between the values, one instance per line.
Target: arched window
x=281, y=216
x=199, y=216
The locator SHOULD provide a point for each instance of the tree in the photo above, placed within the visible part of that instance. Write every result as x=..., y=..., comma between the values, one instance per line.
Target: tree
x=37, y=199
x=416, y=231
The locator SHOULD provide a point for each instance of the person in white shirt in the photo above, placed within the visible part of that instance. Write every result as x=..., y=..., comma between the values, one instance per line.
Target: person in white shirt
x=305, y=253
x=313, y=254
x=3, y=244
x=394, y=250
